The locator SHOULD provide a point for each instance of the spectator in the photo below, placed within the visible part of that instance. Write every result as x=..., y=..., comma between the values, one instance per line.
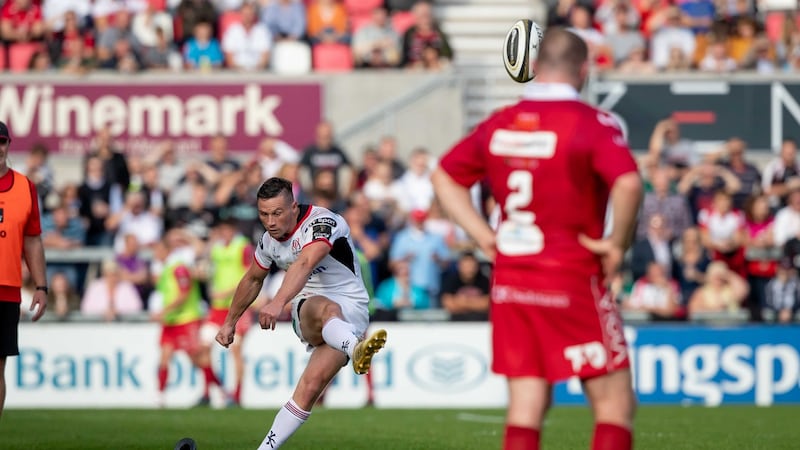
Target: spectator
x=39, y=171
x=110, y=296
x=62, y=298
x=247, y=44
x=431, y=60
x=692, y=261
x=132, y=267
x=747, y=173
x=465, y=291
x=99, y=198
x=369, y=163
x=327, y=22
x=701, y=182
x=21, y=21
x=135, y=219
x=580, y=20
x=387, y=152
x=192, y=12
x=723, y=291
x=369, y=234
x=155, y=198
x=623, y=37
x=324, y=153
x=559, y=12
x=723, y=232
x=399, y=292
x=40, y=62
x=663, y=201
x=273, y=154
x=78, y=60
x=781, y=174
x=414, y=189
x=760, y=251
x=170, y=170
x=717, y=59
x=667, y=147
x=655, y=293
x=109, y=51
x=123, y=59
x=616, y=16
x=286, y=19
x=220, y=160
x=787, y=220
x=698, y=15
x=163, y=56
x=115, y=165
x=636, y=63
x=377, y=44
x=73, y=44
x=678, y=61
x=424, y=32
x=62, y=232
x=198, y=217
x=672, y=36
x=383, y=192
x=55, y=13
x=781, y=293
x=761, y=57
x=195, y=173
x=742, y=42
x=655, y=246
x=325, y=193
x=454, y=236
x=426, y=253
x=202, y=50
x=146, y=24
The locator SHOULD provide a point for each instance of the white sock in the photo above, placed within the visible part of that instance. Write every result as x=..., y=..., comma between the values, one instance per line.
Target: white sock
x=339, y=334
x=286, y=422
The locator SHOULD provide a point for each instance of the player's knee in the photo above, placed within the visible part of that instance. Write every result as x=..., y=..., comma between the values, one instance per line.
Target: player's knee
x=330, y=310
x=617, y=409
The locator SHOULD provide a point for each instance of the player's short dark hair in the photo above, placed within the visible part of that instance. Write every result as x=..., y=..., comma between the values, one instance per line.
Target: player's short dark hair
x=274, y=187
x=562, y=49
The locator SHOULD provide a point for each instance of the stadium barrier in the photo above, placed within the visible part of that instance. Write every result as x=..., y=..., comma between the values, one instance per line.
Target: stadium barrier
x=424, y=365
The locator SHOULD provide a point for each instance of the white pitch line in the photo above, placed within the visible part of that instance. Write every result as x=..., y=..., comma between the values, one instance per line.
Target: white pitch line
x=467, y=417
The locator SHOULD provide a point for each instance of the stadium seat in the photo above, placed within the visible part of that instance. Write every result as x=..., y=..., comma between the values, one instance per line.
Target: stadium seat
x=2, y=58
x=355, y=7
x=19, y=55
x=402, y=21
x=332, y=58
x=227, y=19
x=291, y=58
x=773, y=24
x=357, y=21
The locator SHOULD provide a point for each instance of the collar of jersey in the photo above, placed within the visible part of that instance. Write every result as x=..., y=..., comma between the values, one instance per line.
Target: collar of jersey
x=550, y=91
x=301, y=217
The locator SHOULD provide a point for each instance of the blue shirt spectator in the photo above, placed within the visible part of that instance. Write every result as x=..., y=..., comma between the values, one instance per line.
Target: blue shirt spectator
x=425, y=252
x=286, y=19
x=700, y=14
x=398, y=292
x=202, y=49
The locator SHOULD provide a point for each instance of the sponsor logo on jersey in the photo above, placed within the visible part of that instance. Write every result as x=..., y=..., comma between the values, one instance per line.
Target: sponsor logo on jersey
x=323, y=221
x=523, y=144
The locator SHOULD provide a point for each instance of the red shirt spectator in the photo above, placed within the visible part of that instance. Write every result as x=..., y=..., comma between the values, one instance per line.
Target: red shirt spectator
x=21, y=21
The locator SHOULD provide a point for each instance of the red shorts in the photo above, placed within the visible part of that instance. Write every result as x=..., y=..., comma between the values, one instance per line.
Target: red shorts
x=216, y=317
x=184, y=337
x=556, y=335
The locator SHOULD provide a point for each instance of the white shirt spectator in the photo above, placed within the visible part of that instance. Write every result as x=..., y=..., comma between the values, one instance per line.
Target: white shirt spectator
x=145, y=226
x=415, y=191
x=144, y=24
x=721, y=227
x=666, y=39
x=246, y=46
x=227, y=5
x=787, y=225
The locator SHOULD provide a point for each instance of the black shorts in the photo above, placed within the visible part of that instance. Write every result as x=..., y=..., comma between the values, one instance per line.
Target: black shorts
x=9, y=328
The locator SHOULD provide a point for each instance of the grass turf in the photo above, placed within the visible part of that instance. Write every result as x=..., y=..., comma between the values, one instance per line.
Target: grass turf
x=669, y=427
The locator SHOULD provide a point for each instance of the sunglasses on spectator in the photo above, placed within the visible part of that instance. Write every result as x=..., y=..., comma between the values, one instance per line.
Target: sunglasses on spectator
x=4, y=141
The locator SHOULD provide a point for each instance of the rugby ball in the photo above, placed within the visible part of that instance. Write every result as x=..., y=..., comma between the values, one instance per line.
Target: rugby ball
x=520, y=49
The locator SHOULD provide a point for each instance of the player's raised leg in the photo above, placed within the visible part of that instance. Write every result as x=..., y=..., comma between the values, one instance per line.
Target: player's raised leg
x=324, y=363
x=613, y=403
x=528, y=401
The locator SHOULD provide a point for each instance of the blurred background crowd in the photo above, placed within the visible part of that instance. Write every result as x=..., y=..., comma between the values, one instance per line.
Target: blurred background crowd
x=718, y=235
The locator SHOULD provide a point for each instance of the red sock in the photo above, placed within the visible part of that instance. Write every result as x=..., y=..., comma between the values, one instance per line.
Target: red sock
x=162, y=378
x=611, y=437
x=521, y=438
x=208, y=374
x=237, y=394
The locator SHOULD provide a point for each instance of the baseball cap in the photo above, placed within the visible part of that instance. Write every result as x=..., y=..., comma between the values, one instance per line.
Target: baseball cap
x=4, y=131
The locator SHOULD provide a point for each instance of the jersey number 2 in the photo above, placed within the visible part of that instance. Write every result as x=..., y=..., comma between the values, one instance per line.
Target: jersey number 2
x=518, y=234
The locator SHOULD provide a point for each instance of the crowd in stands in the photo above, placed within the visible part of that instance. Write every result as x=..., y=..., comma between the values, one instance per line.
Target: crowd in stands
x=717, y=235
x=650, y=36
x=281, y=36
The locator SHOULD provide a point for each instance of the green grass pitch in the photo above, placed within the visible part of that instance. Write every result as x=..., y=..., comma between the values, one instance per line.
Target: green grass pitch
x=668, y=427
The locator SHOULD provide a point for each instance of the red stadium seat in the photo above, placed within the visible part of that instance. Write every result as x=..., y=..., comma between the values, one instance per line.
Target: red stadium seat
x=332, y=58
x=19, y=55
x=227, y=19
x=402, y=21
x=2, y=58
x=354, y=7
x=773, y=24
x=357, y=21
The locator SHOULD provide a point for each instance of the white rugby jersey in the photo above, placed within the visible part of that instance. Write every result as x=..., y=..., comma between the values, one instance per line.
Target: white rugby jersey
x=338, y=275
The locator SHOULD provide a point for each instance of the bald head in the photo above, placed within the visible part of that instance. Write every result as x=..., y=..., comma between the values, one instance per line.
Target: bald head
x=563, y=54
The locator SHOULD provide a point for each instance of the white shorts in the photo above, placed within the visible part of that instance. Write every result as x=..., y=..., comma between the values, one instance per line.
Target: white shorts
x=354, y=312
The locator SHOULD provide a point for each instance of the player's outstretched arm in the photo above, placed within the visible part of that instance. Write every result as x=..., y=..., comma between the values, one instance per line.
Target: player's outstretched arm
x=456, y=201
x=293, y=282
x=246, y=292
